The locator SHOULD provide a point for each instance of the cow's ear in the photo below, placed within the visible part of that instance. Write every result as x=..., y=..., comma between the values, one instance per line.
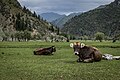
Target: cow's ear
x=53, y=47
x=82, y=45
x=71, y=45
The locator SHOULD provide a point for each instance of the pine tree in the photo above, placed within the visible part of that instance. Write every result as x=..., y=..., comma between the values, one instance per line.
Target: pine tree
x=58, y=31
x=23, y=24
x=24, y=9
x=26, y=23
x=52, y=28
x=39, y=17
x=34, y=14
x=18, y=23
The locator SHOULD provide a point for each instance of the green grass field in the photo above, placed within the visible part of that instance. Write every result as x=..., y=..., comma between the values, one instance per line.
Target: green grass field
x=17, y=62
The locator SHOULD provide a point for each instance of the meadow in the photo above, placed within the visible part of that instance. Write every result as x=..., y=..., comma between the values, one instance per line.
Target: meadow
x=17, y=62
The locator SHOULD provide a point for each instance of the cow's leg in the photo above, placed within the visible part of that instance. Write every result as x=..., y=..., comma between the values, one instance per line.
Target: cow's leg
x=89, y=60
x=34, y=52
x=79, y=59
x=51, y=53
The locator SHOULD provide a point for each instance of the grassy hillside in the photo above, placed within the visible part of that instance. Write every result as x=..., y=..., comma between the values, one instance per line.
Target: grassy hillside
x=18, y=62
x=103, y=19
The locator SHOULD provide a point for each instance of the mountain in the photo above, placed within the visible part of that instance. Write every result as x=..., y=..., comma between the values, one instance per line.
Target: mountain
x=62, y=20
x=17, y=21
x=50, y=16
x=104, y=19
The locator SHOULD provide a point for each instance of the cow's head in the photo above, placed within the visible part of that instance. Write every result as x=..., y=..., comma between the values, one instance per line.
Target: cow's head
x=53, y=48
x=77, y=46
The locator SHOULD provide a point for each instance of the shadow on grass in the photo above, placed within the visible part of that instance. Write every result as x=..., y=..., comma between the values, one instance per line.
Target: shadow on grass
x=75, y=62
x=71, y=62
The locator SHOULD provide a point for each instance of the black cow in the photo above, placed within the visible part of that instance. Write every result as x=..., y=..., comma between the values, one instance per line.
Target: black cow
x=45, y=51
x=86, y=53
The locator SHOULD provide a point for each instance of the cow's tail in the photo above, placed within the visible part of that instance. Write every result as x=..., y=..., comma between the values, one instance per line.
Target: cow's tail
x=34, y=52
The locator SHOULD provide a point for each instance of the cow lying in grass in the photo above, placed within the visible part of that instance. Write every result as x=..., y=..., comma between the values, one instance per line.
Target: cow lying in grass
x=45, y=51
x=86, y=53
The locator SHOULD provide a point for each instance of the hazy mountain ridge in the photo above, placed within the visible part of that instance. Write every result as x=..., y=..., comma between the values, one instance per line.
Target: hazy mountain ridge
x=61, y=21
x=50, y=16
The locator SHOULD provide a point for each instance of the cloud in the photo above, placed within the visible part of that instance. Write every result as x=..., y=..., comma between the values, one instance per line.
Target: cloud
x=62, y=6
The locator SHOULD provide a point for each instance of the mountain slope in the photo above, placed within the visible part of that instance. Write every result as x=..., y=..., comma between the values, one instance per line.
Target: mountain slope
x=105, y=19
x=50, y=16
x=61, y=21
x=15, y=18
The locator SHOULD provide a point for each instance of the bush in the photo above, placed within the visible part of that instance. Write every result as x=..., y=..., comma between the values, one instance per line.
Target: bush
x=99, y=36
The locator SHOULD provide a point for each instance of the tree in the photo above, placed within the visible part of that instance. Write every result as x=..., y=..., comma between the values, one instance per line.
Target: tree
x=72, y=37
x=34, y=14
x=26, y=23
x=24, y=9
x=18, y=22
x=39, y=17
x=7, y=35
x=27, y=35
x=99, y=36
x=116, y=37
x=22, y=22
x=52, y=28
x=12, y=35
x=18, y=16
x=2, y=34
x=29, y=26
x=84, y=37
x=23, y=35
x=17, y=36
x=58, y=30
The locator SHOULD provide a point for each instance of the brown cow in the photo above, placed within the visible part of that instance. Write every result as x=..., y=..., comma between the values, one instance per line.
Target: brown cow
x=86, y=53
x=45, y=51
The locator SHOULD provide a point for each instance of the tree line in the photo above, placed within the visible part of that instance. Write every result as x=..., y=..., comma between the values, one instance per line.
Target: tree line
x=17, y=36
x=100, y=36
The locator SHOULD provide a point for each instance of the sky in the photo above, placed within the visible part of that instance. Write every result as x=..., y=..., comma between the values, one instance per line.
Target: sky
x=62, y=6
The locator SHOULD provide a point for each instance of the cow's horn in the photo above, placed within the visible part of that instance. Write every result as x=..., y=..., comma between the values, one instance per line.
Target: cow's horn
x=82, y=45
x=78, y=43
x=74, y=43
x=71, y=45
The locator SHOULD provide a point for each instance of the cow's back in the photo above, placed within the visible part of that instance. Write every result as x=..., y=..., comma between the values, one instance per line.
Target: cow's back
x=44, y=51
x=86, y=51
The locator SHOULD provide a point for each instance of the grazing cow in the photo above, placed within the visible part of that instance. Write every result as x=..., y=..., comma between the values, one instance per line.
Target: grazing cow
x=86, y=53
x=45, y=51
